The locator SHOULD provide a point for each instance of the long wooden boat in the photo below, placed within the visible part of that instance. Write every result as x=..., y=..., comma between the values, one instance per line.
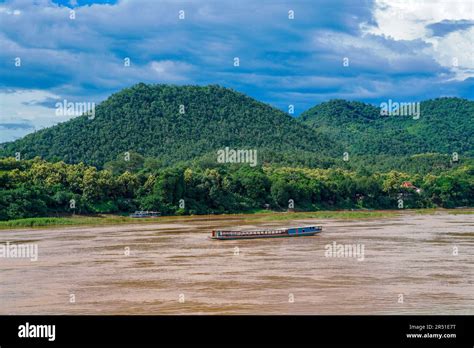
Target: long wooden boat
x=278, y=233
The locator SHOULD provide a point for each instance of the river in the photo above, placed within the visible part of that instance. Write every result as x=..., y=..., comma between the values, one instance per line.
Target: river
x=409, y=264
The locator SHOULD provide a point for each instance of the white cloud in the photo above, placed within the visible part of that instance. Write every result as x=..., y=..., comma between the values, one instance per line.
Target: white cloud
x=410, y=20
x=10, y=11
x=171, y=71
x=456, y=50
x=84, y=58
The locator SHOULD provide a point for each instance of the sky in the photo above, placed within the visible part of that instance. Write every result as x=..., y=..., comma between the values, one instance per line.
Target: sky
x=292, y=52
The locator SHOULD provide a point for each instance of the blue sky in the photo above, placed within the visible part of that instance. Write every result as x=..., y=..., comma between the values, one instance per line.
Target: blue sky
x=406, y=50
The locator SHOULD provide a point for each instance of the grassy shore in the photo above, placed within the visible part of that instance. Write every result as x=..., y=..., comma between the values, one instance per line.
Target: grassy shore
x=61, y=221
x=257, y=216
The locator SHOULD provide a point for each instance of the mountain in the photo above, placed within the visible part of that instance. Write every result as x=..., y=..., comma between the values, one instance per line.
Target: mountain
x=444, y=125
x=171, y=123
x=182, y=123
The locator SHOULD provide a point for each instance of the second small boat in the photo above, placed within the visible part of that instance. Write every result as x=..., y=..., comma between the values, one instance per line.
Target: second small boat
x=278, y=233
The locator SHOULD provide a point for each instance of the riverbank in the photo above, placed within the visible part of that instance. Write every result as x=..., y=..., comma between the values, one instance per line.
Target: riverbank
x=107, y=219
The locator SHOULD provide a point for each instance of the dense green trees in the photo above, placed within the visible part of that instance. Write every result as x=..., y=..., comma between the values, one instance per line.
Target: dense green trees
x=445, y=125
x=158, y=126
x=172, y=123
x=154, y=147
x=35, y=187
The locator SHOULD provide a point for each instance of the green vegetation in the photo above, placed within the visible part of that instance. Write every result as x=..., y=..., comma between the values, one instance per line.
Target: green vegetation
x=445, y=125
x=461, y=212
x=171, y=124
x=60, y=221
x=36, y=188
x=153, y=147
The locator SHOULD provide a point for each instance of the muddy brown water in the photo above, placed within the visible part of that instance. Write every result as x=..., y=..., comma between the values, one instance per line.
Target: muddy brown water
x=412, y=264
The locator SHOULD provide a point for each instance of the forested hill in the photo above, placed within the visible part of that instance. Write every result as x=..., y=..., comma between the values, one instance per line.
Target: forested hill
x=182, y=123
x=445, y=125
x=171, y=123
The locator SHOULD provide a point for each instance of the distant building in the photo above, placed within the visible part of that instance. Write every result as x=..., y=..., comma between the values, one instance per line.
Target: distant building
x=409, y=185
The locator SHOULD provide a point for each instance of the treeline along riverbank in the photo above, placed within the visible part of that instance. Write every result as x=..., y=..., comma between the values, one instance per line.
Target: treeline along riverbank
x=37, y=188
